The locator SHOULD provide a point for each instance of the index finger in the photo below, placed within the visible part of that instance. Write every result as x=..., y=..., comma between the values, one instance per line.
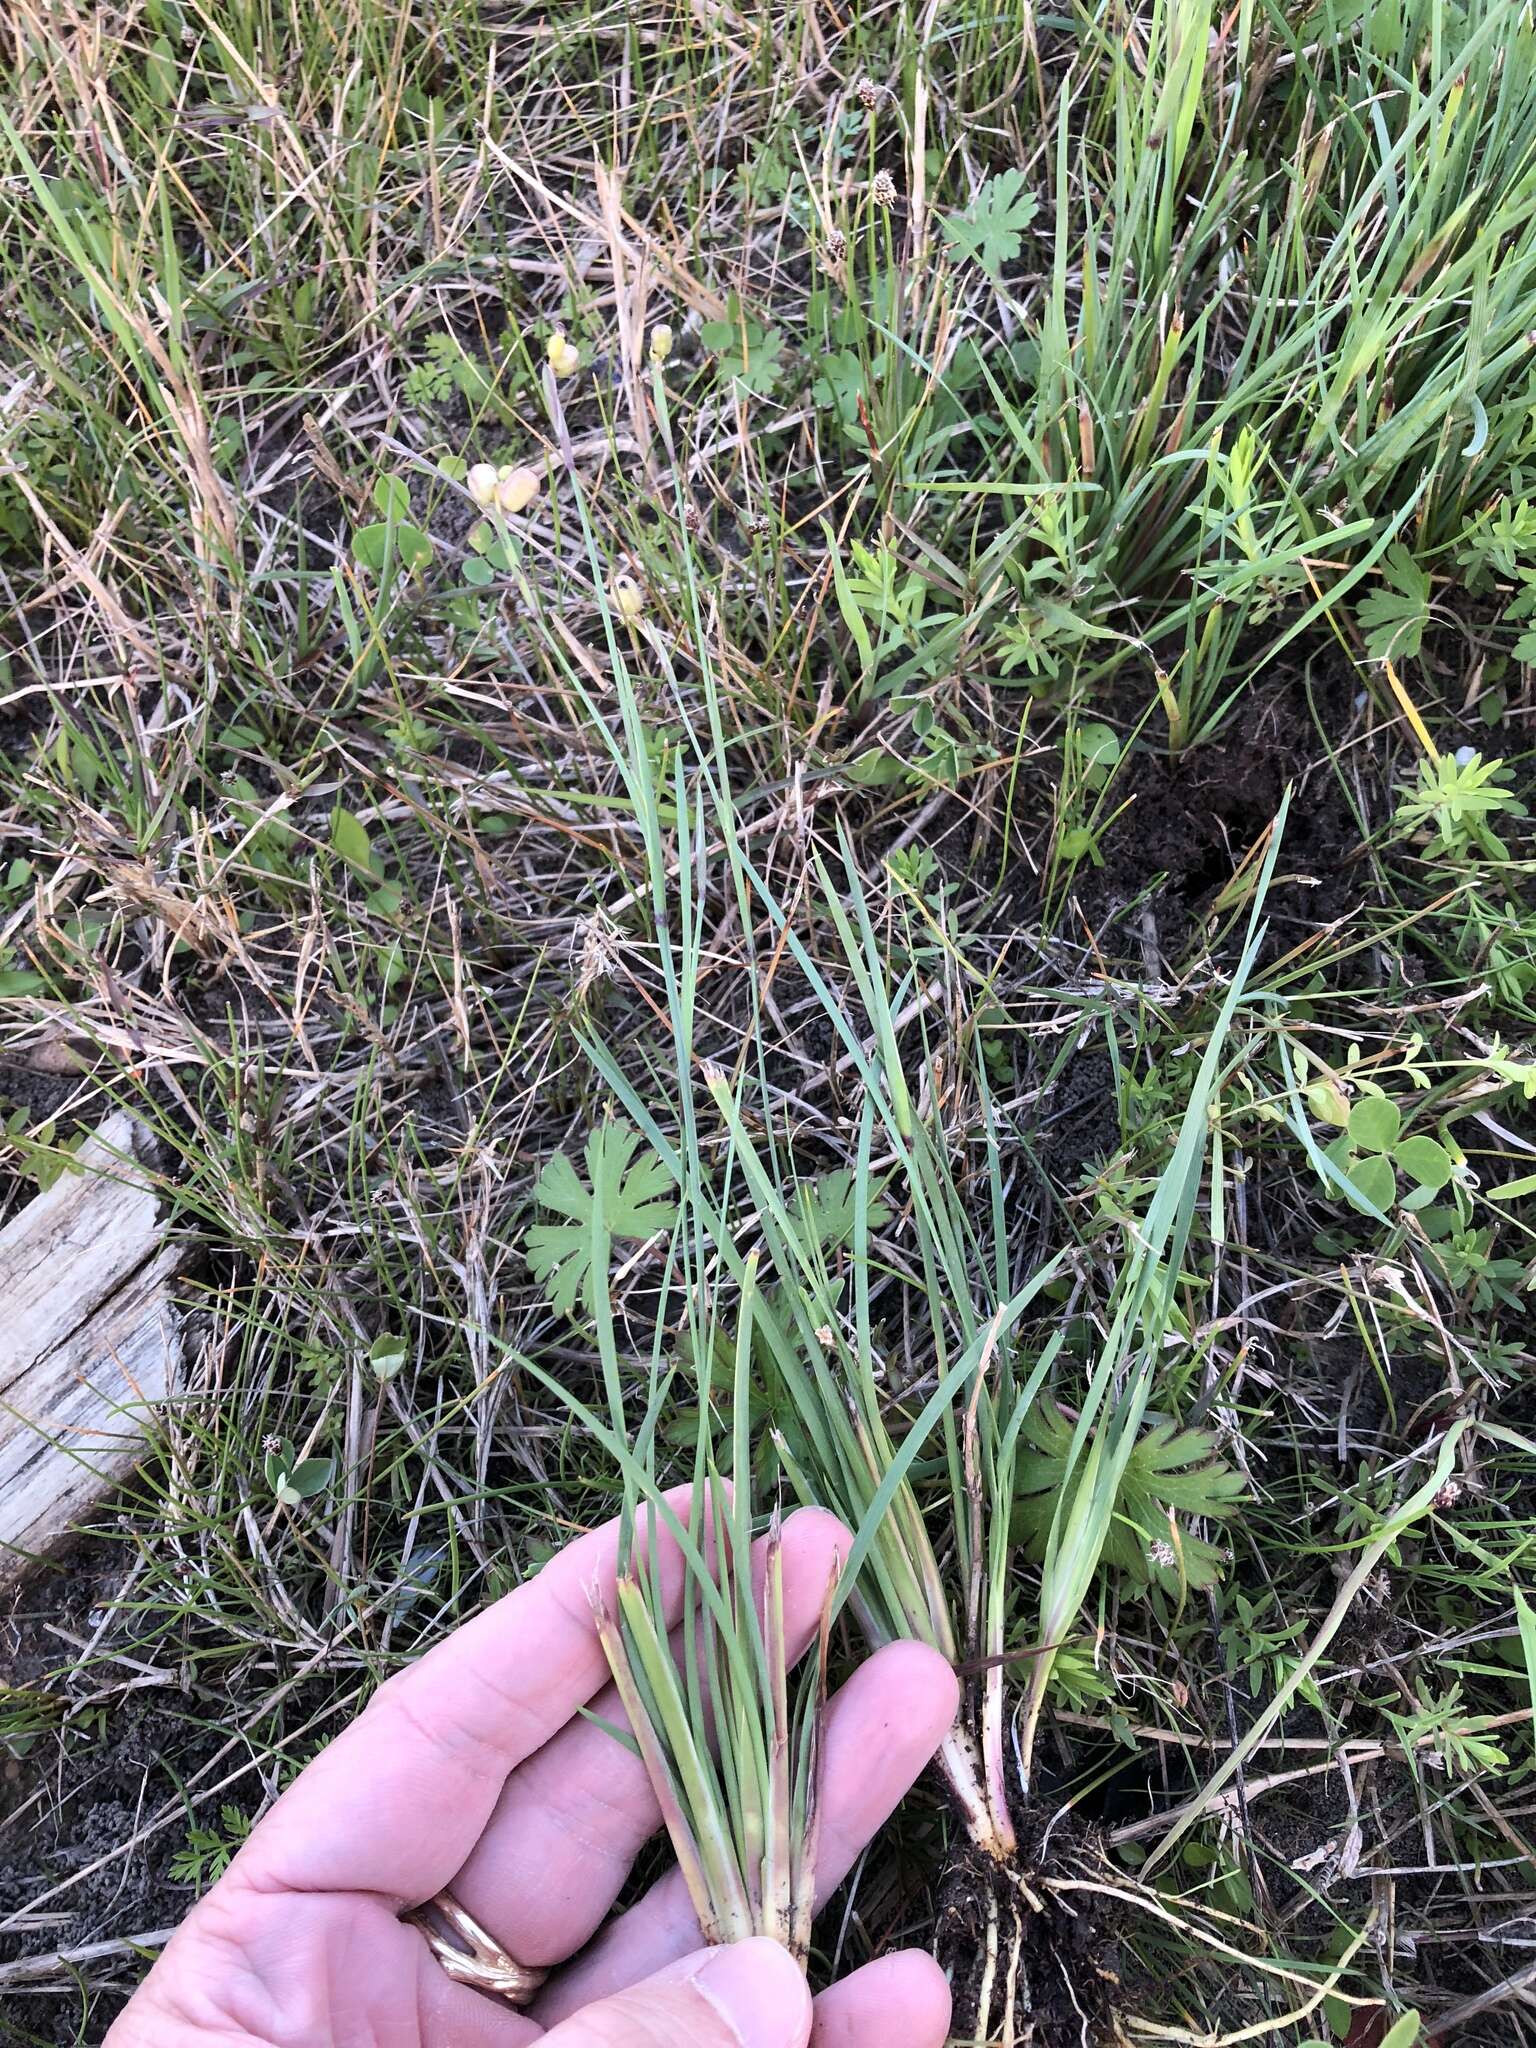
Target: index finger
x=399, y=1799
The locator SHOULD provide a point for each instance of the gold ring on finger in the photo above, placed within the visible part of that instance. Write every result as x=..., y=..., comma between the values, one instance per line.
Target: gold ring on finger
x=470, y=1955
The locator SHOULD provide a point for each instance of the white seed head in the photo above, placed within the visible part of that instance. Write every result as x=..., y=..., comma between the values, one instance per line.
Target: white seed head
x=869, y=94
x=564, y=356
x=661, y=342
x=595, y=945
x=834, y=250
x=1162, y=1554
x=481, y=483
x=516, y=488
x=883, y=189
x=627, y=598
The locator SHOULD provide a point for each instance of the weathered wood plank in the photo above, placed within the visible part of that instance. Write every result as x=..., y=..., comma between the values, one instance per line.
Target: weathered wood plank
x=88, y=1338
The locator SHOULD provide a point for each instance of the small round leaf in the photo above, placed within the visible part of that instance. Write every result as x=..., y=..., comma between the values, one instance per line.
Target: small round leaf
x=1374, y=1123
x=1424, y=1160
x=1098, y=750
x=1328, y=1102
x=386, y=1355
x=405, y=546
x=392, y=497
x=1374, y=1179
x=311, y=1477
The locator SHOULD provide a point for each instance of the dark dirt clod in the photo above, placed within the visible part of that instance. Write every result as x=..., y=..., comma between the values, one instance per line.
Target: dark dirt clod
x=1192, y=817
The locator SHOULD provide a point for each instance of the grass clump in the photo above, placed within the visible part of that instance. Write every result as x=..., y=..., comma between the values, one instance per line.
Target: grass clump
x=715, y=910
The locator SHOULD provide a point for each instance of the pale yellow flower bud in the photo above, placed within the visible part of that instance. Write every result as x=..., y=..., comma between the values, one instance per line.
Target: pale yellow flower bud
x=564, y=356
x=627, y=598
x=661, y=342
x=481, y=483
x=515, y=489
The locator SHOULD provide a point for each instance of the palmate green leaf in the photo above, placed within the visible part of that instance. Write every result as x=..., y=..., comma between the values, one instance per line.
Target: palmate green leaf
x=1393, y=618
x=637, y=1201
x=1170, y=1470
x=749, y=353
x=830, y=1209
x=991, y=228
x=842, y=383
x=1501, y=540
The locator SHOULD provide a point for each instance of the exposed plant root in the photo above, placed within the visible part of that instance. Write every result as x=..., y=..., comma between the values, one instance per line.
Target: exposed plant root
x=1026, y=1967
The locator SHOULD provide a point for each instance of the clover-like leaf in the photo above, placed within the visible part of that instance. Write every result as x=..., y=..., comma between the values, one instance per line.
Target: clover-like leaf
x=1374, y=1124
x=1372, y=1177
x=404, y=546
x=1327, y=1101
x=392, y=497
x=386, y=1354
x=1424, y=1160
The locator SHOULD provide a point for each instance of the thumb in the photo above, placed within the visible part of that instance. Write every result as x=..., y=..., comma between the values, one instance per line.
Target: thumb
x=750, y=1995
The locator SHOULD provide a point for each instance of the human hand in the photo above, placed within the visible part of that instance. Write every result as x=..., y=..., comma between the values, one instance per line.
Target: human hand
x=473, y=1770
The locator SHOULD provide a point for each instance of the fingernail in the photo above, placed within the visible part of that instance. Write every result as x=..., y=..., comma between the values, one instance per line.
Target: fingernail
x=758, y=1989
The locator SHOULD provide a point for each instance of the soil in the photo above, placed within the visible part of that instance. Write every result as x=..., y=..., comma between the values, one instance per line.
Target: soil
x=42, y=1096
x=1291, y=1827
x=79, y=1793
x=1191, y=818
x=1082, y=1121
x=1065, y=1963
